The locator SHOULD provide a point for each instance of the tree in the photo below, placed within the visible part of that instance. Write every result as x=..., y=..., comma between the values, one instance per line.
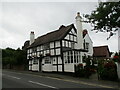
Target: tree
x=106, y=17
x=14, y=57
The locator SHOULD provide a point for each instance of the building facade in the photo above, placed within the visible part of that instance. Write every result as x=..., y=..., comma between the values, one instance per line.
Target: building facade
x=60, y=50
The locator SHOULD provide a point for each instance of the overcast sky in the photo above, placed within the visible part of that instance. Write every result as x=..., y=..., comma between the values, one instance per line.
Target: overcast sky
x=20, y=18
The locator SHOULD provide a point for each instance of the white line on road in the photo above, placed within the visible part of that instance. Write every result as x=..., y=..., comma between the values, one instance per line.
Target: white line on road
x=12, y=76
x=42, y=84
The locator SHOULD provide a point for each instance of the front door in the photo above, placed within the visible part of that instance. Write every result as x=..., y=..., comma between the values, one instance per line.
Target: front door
x=40, y=64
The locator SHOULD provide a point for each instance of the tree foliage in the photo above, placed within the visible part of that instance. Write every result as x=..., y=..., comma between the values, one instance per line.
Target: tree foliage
x=106, y=17
x=13, y=57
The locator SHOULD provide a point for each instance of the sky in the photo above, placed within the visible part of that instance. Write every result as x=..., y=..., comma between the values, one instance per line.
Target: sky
x=18, y=19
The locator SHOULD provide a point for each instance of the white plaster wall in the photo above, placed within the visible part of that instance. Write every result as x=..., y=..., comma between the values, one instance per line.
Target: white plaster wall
x=69, y=67
x=54, y=60
x=119, y=39
x=73, y=31
x=69, y=44
x=47, y=67
x=118, y=69
x=75, y=38
x=30, y=67
x=43, y=61
x=35, y=67
x=79, y=44
x=54, y=68
x=67, y=37
x=87, y=39
x=57, y=51
x=63, y=44
x=30, y=62
x=71, y=37
x=60, y=68
x=59, y=60
x=66, y=43
x=52, y=45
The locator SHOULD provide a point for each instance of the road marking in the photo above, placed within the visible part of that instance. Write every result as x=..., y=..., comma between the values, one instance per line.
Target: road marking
x=79, y=82
x=42, y=84
x=12, y=76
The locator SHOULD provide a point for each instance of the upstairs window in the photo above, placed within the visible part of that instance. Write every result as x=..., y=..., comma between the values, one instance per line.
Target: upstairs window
x=87, y=46
x=47, y=46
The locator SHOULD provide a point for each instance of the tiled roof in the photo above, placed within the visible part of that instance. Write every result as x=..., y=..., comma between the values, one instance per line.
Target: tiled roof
x=53, y=36
x=101, y=51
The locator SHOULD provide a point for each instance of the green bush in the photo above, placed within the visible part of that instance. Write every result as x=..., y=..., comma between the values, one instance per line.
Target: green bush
x=83, y=72
x=107, y=70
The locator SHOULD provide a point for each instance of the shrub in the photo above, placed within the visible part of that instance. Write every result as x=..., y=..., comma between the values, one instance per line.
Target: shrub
x=81, y=71
x=107, y=70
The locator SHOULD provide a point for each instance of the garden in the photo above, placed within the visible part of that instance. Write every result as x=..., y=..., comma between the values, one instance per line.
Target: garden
x=106, y=69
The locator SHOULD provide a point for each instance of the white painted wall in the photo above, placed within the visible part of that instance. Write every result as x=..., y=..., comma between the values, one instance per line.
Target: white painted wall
x=32, y=37
x=35, y=67
x=69, y=67
x=118, y=69
x=67, y=37
x=59, y=60
x=90, y=50
x=60, y=68
x=47, y=67
x=54, y=68
x=54, y=60
x=79, y=44
x=63, y=44
x=119, y=39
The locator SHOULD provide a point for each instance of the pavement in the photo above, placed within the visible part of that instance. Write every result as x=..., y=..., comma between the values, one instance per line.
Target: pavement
x=70, y=78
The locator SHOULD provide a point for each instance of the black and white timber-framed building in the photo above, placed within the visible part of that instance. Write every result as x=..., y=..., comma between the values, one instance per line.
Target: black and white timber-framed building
x=60, y=50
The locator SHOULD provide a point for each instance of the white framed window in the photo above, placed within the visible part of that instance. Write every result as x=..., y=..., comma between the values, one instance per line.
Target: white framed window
x=35, y=61
x=52, y=45
x=57, y=51
x=57, y=44
x=46, y=46
x=47, y=60
x=87, y=46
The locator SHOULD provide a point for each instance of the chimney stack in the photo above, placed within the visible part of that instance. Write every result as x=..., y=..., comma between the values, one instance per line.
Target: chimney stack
x=32, y=37
x=79, y=44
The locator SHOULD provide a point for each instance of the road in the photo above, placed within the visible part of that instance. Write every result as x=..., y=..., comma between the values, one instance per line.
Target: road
x=23, y=80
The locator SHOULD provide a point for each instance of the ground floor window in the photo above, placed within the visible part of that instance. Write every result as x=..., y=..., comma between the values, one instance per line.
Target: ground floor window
x=35, y=61
x=72, y=57
x=47, y=60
